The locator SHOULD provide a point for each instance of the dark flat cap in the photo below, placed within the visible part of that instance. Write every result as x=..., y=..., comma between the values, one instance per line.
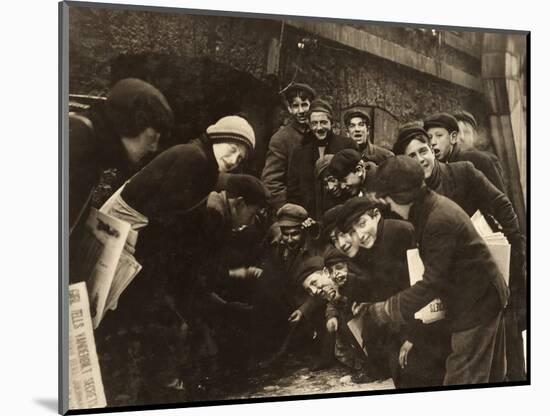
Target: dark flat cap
x=308, y=267
x=465, y=116
x=333, y=256
x=348, y=115
x=353, y=209
x=291, y=215
x=296, y=87
x=343, y=163
x=407, y=134
x=247, y=186
x=398, y=174
x=444, y=120
x=319, y=105
x=321, y=165
x=330, y=218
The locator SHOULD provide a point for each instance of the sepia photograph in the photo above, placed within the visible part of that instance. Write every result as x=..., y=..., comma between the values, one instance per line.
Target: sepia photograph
x=264, y=207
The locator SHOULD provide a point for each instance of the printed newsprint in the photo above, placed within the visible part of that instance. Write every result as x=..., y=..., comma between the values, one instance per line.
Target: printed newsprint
x=357, y=328
x=433, y=311
x=85, y=384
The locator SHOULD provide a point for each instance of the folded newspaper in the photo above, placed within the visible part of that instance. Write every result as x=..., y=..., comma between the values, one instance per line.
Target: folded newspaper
x=357, y=328
x=107, y=261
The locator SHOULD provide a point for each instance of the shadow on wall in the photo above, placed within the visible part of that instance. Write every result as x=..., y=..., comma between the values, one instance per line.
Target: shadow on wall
x=201, y=91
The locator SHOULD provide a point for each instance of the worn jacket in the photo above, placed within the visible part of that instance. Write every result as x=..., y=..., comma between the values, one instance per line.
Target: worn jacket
x=376, y=154
x=301, y=175
x=281, y=146
x=486, y=162
x=459, y=268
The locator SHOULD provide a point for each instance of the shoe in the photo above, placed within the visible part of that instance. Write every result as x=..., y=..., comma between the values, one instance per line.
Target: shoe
x=362, y=377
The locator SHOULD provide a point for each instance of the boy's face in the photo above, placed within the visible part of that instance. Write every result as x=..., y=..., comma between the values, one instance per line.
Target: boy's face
x=345, y=243
x=358, y=130
x=298, y=108
x=366, y=228
x=243, y=215
x=351, y=183
x=320, y=124
x=422, y=153
x=339, y=273
x=442, y=142
x=292, y=237
x=320, y=284
x=332, y=186
x=229, y=155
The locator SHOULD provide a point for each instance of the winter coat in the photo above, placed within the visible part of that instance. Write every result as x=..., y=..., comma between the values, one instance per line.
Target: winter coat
x=486, y=162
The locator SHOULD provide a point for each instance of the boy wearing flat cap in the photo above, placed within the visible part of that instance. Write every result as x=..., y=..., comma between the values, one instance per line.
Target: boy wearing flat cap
x=459, y=269
x=298, y=98
x=357, y=123
x=319, y=141
x=352, y=172
x=443, y=130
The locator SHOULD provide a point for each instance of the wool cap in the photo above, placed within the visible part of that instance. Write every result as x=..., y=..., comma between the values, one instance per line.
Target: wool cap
x=330, y=218
x=291, y=215
x=232, y=129
x=348, y=115
x=297, y=87
x=444, y=120
x=333, y=256
x=319, y=105
x=343, y=163
x=307, y=267
x=131, y=97
x=398, y=174
x=321, y=165
x=407, y=134
x=353, y=209
x=465, y=116
x=247, y=186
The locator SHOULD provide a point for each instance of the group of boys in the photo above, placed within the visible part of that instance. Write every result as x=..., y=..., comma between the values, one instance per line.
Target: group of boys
x=344, y=215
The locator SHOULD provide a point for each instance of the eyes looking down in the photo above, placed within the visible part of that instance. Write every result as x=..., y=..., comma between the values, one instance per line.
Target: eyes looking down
x=229, y=155
x=320, y=284
x=292, y=237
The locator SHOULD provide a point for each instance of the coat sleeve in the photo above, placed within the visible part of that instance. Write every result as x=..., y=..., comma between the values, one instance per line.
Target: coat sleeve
x=490, y=166
x=274, y=175
x=293, y=190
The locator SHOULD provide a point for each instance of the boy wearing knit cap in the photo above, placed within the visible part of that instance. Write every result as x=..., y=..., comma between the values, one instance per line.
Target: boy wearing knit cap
x=319, y=141
x=459, y=270
x=298, y=98
x=443, y=130
x=357, y=123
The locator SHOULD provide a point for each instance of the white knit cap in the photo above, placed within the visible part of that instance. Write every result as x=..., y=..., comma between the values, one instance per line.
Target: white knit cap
x=232, y=128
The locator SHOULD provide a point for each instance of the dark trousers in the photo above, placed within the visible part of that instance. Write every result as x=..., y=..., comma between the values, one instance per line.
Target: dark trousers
x=478, y=355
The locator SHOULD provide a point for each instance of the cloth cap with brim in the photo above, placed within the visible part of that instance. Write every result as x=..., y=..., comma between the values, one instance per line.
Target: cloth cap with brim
x=320, y=106
x=343, y=163
x=321, y=166
x=407, y=134
x=291, y=215
x=132, y=94
x=348, y=115
x=352, y=210
x=444, y=120
x=298, y=87
x=333, y=256
x=466, y=116
x=307, y=268
x=232, y=129
x=330, y=217
x=398, y=174
x=247, y=186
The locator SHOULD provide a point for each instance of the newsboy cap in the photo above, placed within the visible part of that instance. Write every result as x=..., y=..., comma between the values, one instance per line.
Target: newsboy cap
x=348, y=115
x=333, y=256
x=406, y=134
x=343, y=163
x=444, y=120
x=398, y=174
x=330, y=218
x=297, y=87
x=465, y=116
x=291, y=215
x=307, y=267
x=352, y=209
x=249, y=187
x=322, y=106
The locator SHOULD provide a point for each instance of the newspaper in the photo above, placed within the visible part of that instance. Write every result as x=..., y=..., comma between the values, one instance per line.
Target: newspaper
x=496, y=242
x=357, y=328
x=433, y=311
x=85, y=383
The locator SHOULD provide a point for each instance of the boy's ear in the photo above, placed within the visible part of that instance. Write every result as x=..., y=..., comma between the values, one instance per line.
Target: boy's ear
x=454, y=137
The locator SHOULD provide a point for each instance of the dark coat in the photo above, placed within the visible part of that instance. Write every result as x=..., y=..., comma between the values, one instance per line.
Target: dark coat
x=301, y=172
x=459, y=268
x=376, y=154
x=281, y=146
x=486, y=162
